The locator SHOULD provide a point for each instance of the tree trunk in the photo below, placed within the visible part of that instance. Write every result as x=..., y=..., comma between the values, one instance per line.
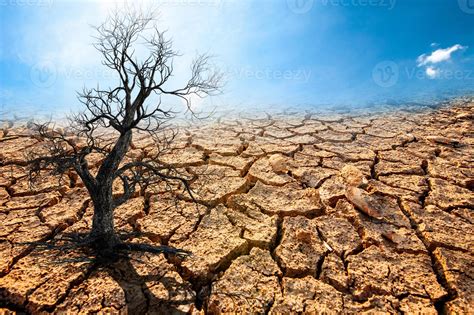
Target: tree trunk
x=103, y=231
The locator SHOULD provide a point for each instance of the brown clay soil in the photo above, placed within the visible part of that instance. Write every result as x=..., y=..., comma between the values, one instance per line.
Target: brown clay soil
x=296, y=212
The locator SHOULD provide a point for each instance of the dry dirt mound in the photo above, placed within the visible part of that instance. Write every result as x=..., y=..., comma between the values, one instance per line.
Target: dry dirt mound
x=295, y=213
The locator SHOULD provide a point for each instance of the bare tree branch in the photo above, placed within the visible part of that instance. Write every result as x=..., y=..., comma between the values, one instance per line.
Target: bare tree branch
x=113, y=115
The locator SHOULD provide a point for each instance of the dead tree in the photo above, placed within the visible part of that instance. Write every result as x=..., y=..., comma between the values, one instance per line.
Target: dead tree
x=113, y=115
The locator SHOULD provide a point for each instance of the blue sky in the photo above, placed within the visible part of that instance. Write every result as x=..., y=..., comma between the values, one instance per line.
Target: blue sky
x=307, y=53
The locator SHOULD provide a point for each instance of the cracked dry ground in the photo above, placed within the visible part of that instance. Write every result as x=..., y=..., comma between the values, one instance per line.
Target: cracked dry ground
x=279, y=226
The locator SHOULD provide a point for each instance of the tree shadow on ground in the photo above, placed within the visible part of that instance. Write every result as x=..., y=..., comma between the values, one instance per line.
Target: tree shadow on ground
x=140, y=290
x=126, y=275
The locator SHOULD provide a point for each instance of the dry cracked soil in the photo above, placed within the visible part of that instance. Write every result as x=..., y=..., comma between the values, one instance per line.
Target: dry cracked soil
x=295, y=213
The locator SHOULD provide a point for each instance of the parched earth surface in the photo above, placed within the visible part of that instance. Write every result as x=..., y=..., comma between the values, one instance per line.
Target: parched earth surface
x=296, y=212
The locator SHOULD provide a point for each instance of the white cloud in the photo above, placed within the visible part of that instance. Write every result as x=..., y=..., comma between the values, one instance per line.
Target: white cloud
x=432, y=72
x=431, y=62
x=439, y=55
